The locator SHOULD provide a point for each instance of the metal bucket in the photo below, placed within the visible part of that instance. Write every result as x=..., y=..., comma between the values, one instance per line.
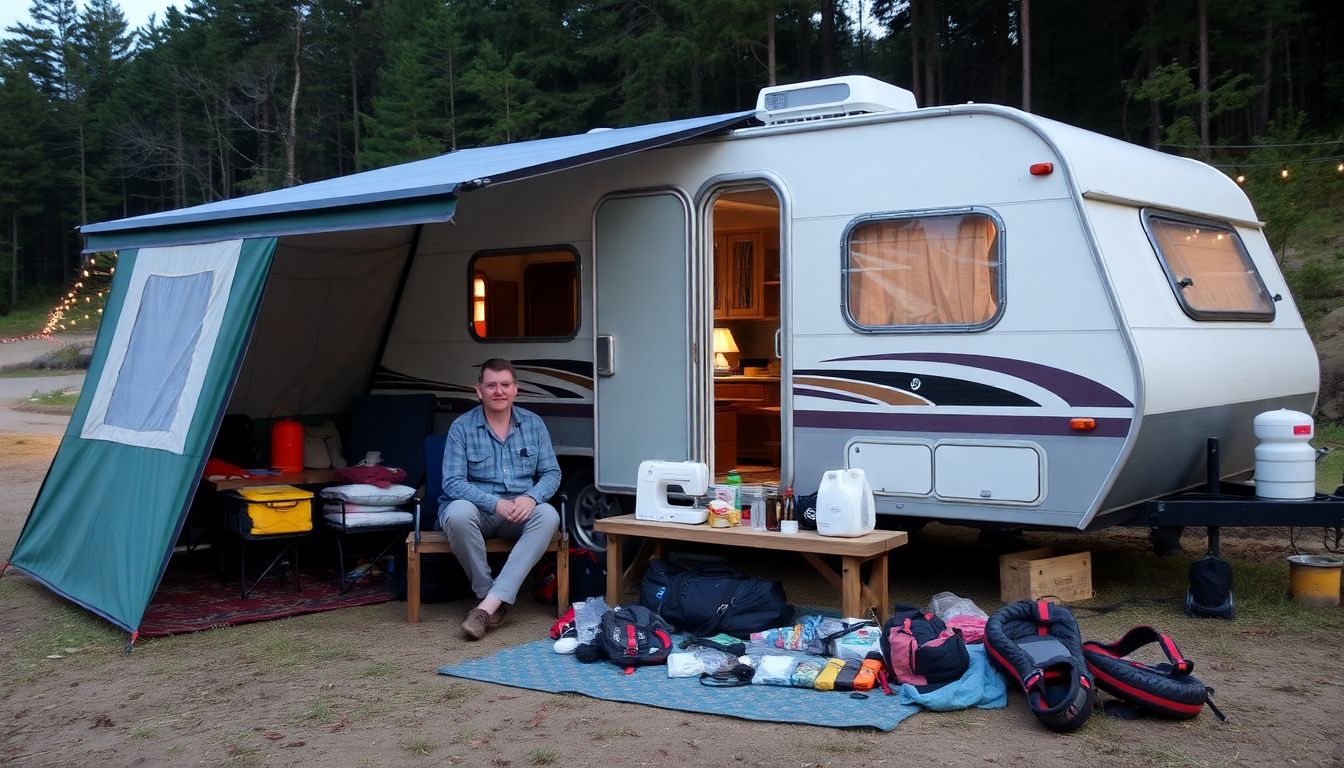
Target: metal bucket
x=1314, y=579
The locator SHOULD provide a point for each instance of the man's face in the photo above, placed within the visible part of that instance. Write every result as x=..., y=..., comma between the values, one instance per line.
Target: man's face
x=497, y=391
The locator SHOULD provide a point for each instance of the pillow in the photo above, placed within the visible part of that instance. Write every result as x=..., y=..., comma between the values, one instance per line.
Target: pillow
x=334, y=506
x=322, y=447
x=361, y=519
x=363, y=493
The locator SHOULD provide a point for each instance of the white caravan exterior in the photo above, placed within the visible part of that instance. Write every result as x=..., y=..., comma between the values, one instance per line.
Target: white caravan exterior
x=1068, y=353
x=972, y=422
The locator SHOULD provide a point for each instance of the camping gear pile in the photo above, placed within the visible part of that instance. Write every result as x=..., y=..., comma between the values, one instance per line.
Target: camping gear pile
x=949, y=656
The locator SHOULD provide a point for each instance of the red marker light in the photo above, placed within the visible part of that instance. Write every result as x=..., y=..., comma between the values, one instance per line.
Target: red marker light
x=1042, y=169
x=1083, y=424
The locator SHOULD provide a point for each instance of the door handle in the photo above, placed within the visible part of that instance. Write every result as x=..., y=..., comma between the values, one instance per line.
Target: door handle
x=605, y=354
x=779, y=343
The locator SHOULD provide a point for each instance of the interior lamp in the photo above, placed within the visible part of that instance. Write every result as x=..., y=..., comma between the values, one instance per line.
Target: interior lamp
x=724, y=345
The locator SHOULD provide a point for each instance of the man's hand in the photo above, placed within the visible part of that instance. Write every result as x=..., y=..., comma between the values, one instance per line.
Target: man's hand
x=516, y=510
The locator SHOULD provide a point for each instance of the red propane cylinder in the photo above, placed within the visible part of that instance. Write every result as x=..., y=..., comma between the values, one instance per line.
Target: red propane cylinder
x=287, y=446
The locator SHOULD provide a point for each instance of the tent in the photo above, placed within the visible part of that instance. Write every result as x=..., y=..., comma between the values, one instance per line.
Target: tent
x=275, y=303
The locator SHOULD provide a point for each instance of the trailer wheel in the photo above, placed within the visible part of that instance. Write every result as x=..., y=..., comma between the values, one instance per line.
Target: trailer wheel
x=587, y=505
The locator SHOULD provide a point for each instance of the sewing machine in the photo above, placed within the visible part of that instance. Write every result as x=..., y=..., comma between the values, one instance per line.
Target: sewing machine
x=651, y=501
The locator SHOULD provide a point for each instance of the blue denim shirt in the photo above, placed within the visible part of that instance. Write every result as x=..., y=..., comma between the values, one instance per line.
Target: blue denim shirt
x=481, y=468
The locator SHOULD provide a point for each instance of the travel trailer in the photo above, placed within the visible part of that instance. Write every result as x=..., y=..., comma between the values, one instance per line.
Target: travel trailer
x=1002, y=319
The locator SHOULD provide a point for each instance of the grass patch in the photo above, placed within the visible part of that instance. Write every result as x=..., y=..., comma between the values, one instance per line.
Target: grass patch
x=241, y=749
x=420, y=747
x=56, y=399
x=26, y=319
x=542, y=756
x=463, y=736
x=379, y=669
x=322, y=710
x=144, y=731
x=1330, y=468
x=287, y=650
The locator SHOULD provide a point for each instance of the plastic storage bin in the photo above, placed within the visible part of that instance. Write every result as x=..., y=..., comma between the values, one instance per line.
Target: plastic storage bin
x=269, y=509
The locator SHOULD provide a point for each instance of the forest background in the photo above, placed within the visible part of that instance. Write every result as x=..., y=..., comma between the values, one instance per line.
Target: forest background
x=229, y=97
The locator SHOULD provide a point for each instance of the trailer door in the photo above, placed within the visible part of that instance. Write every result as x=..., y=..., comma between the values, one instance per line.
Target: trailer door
x=642, y=361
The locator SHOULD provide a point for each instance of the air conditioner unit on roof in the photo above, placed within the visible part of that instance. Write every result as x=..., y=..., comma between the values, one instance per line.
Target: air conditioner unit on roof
x=815, y=99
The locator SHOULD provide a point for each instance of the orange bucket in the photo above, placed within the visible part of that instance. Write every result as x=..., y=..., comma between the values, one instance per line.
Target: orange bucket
x=1314, y=579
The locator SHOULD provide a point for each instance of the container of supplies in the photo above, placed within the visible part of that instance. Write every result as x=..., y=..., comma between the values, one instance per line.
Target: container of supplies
x=1285, y=462
x=845, y=505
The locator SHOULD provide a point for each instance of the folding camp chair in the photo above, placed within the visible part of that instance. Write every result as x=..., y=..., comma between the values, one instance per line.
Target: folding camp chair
x=395, y=426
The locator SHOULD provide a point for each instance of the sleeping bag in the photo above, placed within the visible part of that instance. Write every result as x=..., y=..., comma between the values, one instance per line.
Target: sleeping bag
x=1039, y=645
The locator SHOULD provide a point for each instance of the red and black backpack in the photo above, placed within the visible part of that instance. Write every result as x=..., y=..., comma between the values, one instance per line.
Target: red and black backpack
x=1167, y=690
x=628, y=636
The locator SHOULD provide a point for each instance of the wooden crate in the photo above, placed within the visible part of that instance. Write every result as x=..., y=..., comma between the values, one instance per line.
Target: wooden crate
x=1043, y=574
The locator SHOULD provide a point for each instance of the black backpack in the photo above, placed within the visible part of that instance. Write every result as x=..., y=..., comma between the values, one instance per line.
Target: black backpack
x=1210, y=592
x=628, y=636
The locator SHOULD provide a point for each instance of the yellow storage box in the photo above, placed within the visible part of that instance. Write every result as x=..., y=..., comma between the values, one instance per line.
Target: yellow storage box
x=270, y=509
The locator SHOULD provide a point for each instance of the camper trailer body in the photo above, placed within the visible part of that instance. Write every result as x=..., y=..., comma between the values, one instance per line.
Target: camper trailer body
x=1088, y=386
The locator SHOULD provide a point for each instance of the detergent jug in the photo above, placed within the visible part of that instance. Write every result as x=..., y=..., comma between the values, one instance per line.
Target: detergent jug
x=845, y=504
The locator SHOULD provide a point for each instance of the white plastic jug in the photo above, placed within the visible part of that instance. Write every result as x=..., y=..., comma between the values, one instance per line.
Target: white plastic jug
x=845, y=504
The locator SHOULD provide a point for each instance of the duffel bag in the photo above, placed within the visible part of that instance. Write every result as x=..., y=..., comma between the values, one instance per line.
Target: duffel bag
x=713, y=599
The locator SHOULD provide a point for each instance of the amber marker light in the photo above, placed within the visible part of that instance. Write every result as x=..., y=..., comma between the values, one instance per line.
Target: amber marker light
x=1042, y=169
x=1085, y=424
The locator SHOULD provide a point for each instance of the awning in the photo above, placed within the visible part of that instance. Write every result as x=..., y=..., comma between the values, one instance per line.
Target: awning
x=422, y=191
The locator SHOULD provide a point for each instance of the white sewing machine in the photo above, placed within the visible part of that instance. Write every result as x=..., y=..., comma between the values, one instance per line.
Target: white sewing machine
x=651, y=491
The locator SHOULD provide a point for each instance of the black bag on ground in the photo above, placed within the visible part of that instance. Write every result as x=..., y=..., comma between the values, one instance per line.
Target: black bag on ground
x=714, y=599
x=628, y=636
x=1210, y=592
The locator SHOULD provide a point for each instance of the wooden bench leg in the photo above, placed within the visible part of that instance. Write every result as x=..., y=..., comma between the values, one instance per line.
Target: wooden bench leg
x=851, y=597
x=877, y=583
x=561, y=579
x=412, y=584
x=615, y=563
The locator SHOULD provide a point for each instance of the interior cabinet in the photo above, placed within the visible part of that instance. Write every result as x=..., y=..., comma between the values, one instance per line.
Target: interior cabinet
x=739, y=276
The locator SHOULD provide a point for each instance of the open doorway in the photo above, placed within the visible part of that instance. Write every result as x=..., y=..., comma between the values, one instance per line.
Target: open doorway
x=746, y=310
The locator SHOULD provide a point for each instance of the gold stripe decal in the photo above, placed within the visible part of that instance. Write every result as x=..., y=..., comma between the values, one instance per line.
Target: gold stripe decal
x=885, y=395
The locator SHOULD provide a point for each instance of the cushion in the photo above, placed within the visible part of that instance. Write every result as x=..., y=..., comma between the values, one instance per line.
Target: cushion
x=335, y=506
x=363, y=493
x=322, y=447
x=360, y=519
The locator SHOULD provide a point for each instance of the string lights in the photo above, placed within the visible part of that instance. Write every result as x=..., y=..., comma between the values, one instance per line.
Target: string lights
x=83, y=304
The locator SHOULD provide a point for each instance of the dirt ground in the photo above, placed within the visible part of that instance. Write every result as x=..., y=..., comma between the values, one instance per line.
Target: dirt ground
x=358, y=688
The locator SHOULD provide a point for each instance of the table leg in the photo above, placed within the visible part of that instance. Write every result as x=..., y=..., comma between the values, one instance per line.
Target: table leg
x=615, y=562
x=412, y=584
x=877, y=581
x=851, y=598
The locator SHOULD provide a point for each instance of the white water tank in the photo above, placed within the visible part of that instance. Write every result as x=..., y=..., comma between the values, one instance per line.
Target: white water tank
x=845, y=504
x=1285, y=462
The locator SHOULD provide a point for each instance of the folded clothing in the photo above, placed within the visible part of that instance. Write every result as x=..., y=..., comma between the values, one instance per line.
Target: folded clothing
x=357, y=515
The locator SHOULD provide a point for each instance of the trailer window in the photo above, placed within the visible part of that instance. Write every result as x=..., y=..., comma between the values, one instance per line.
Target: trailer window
x=524, y=295
x=1209, y=269
x=941, y=270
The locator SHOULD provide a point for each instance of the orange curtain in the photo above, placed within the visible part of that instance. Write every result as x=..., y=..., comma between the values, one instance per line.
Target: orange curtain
x=1221, y=278
x=936, y=271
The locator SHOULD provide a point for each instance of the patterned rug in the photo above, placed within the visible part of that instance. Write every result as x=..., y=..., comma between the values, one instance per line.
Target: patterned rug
x=536, y=666
x=192, y=600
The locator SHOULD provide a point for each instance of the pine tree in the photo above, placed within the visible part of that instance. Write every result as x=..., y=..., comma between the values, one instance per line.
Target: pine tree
x=22, y=169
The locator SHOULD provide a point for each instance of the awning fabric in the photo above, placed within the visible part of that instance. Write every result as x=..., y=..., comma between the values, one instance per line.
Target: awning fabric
x=422, y=191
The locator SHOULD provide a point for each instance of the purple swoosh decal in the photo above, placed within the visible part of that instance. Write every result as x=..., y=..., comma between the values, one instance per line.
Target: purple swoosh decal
x=1078, y=391
x=1057, y=426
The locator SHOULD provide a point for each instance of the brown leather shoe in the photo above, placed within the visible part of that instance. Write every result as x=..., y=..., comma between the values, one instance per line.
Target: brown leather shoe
x=476, y=624
x=497, y=617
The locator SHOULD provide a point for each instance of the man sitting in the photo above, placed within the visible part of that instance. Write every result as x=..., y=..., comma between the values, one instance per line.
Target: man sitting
x=499, y=468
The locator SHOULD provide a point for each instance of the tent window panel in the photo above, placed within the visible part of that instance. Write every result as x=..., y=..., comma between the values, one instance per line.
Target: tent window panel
x=158, y=355
x=525, y=295
x=1209, y=270
x=916, y=272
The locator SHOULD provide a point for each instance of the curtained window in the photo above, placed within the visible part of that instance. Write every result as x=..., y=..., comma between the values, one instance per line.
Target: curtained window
x=1209, y=270
x=930, y=270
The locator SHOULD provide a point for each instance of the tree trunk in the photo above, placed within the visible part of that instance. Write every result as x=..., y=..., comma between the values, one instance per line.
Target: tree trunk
x=916, y=40
x=1262, y=99
x=1024, y=34
x=83, y=177
x=354, y=104
x=804, y=46
x=1203, y=6
x=827, y=38
x=933, y=63
x=292, y=133
x=1154, y=106
x=769, y=47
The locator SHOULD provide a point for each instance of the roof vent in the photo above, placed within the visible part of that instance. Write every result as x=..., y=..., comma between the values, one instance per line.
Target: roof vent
x=817, y=99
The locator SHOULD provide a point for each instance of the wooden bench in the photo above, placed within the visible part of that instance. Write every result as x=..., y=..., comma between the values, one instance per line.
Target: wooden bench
x=856, y=595
x=434, y=542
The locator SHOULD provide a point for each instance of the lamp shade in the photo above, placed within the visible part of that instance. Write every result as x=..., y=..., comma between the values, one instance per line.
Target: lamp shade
x=724, y=341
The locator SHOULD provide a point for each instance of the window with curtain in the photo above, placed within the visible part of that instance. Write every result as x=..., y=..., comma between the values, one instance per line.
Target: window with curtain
x=931, y=270
x=1209, y=270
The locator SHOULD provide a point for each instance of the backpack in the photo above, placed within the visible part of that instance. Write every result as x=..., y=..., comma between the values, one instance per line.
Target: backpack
x=1210, y=592
x=921, y=650
x=1166, y=690
x=628, y=636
